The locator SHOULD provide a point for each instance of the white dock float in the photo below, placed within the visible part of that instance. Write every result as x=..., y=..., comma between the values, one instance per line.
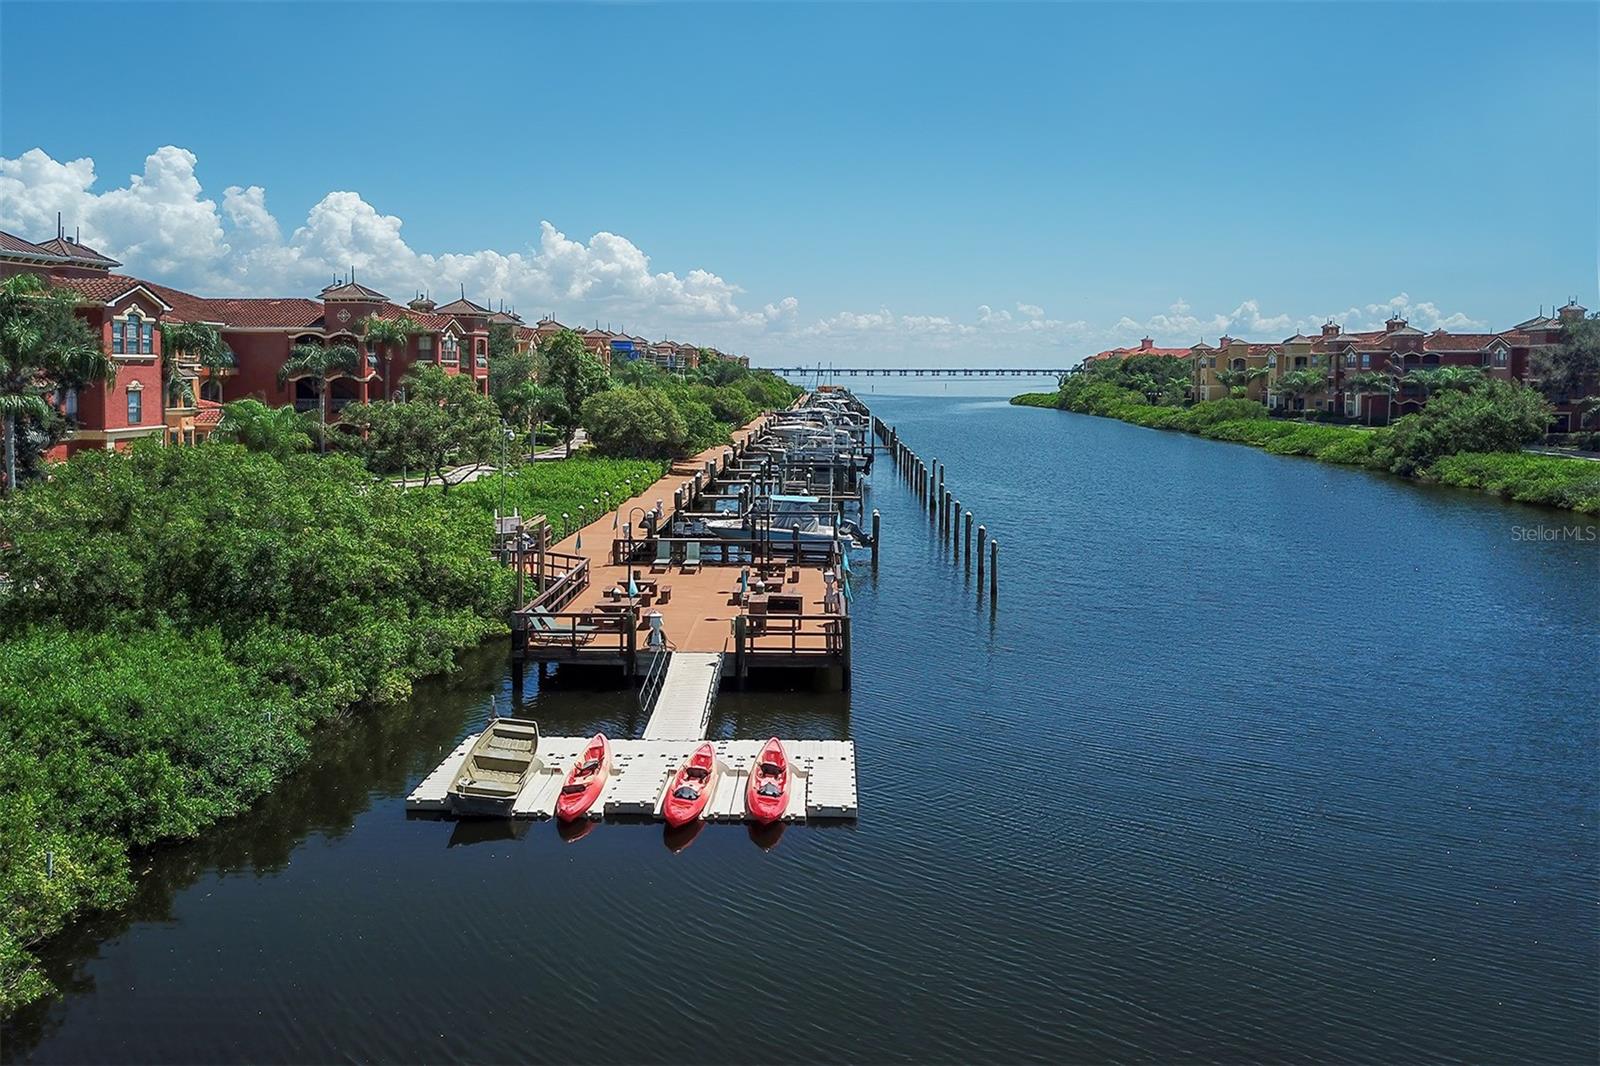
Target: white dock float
x=823, y=785
x=683, y=707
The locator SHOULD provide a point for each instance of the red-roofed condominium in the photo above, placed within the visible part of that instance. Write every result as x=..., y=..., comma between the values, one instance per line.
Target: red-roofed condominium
x=1365, y=374
x=261, y=333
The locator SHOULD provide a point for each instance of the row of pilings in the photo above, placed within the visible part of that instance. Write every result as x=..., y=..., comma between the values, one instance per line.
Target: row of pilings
x=926, y=479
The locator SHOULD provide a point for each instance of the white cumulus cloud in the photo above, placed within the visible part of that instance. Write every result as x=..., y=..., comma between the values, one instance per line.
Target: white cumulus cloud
x=161, y=224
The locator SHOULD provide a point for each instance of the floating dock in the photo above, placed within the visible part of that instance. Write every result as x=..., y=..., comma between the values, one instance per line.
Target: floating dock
x=822, y=787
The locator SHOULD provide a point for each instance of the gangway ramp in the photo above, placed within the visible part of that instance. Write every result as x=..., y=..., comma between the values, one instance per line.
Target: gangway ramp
x=682, y=709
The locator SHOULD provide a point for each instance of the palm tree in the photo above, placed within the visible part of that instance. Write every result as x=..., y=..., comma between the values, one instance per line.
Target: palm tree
x=1237, y=382
x=1302, y=383
x=1369, y=382
x=387, y=334
x=192, y=342
x=44, y=346
x=321, y=363
x=1457, y=378
x=277, y=431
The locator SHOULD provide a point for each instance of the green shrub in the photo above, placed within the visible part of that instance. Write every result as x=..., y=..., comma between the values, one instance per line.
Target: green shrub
x=173, y=623
x=1464, y=437
x=557, y=488
x=1551, y=480
x=1494, y=417
x=1210, y=412
x=635, y=423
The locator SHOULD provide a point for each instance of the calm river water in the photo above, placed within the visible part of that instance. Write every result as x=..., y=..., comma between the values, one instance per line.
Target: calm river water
x=1259, y=759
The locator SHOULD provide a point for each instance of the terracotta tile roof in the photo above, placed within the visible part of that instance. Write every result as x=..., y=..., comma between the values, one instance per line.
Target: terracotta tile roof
x=77, y=253
x=1124, y=353
x=16, y=246
x=103, y=288
x=351, y=291
x=433, y=322
x=207, y=412
x=1458, y=342
x=242, y=312
x=462, y=306
x=505, y=318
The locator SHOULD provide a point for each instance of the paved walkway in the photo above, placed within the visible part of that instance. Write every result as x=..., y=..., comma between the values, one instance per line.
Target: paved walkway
x=1563, y=453
x=460, y=475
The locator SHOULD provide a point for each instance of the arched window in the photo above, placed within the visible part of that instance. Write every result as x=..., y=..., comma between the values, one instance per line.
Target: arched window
x=211, y=389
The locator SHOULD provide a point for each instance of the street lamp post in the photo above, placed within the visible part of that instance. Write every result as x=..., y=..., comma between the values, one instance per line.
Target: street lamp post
x=628, y=531
x=505, y=438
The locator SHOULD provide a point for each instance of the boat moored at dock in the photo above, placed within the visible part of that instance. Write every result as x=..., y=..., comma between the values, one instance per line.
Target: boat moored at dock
x=496, y=768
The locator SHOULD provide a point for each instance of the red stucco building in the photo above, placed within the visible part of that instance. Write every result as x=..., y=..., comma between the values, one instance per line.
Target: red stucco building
x=127, y=312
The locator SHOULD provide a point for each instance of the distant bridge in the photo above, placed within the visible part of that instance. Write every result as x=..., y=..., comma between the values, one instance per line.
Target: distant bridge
x=921, y=372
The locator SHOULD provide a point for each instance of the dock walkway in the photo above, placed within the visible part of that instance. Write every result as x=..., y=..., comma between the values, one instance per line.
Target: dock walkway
x=683, y=708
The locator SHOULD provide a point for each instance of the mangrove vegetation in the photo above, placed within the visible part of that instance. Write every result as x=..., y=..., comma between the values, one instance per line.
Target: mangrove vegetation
x=1470, y=433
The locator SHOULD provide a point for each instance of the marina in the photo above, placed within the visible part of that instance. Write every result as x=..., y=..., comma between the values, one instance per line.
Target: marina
x=730, y=553
x=739, y=575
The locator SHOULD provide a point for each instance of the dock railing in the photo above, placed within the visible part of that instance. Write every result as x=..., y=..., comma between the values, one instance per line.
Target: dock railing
x=564, y=577
x=578, y=633
x=794, y=634
x=653, y=677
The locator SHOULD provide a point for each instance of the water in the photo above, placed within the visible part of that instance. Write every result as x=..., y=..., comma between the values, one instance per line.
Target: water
x=1259, y=759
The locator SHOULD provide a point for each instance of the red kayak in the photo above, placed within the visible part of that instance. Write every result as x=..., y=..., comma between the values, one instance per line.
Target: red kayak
x=585, y=780
x=691, y=787
x=766, y=796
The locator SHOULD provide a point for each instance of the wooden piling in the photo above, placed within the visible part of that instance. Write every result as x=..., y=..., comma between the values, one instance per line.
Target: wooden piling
x=994, y=570
x=522, y=598
x=983, y=535
x=739, y=667
x=876, y=527
x=969, y=538
x=632, y=616
x=955, y=530
x=844, y=637
x=544, y=551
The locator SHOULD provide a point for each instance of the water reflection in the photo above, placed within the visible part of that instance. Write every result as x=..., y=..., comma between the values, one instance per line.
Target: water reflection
x=366, y=756
x=468, y=831
x=678, y=837
x=766, y=837
x=572, y=832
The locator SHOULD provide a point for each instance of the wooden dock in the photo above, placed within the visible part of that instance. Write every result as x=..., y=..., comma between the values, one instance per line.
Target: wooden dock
x=823, y=786
x=579, y=608
x=619, y=593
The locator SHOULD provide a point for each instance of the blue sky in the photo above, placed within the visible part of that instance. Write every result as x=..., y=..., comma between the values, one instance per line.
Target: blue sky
x=941, y=184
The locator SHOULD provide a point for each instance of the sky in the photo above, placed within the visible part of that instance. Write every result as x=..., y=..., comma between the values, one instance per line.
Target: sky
x=873, y=185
